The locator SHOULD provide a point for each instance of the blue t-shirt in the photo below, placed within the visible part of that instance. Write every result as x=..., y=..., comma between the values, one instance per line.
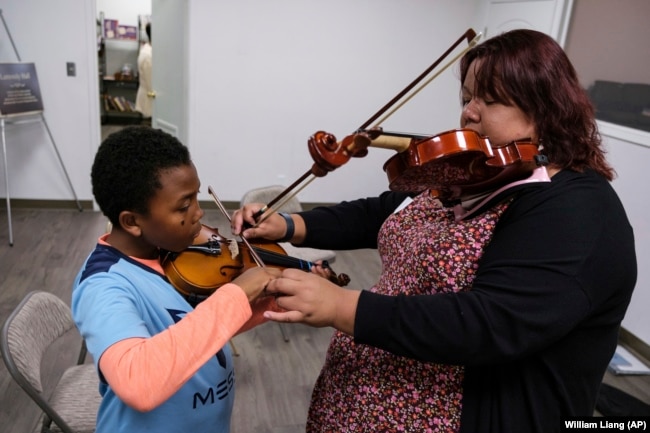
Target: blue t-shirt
x=114, y=298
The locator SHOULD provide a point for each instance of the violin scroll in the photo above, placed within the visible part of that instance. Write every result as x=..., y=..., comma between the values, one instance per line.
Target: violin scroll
x=340, y=280
x=328, y=154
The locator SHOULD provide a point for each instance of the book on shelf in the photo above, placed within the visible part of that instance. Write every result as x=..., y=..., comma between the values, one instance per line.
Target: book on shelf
x=109, y=104
x=118, y=103
x=126, y=104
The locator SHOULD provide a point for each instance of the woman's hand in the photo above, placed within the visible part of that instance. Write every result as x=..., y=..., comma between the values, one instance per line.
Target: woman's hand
x=313, y=300
x=254, y=281
x=272, y=228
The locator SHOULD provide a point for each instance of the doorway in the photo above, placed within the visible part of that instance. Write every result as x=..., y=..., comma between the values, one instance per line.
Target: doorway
x=120, y=36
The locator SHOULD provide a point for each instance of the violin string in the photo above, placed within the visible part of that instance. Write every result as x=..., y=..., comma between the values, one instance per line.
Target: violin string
x=223, y=210
x=276, y=258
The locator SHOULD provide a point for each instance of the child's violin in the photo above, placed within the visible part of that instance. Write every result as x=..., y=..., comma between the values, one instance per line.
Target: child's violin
x=213, y=260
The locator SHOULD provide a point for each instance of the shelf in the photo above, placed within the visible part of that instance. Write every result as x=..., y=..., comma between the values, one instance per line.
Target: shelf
x=121, y=118
x=124, y=91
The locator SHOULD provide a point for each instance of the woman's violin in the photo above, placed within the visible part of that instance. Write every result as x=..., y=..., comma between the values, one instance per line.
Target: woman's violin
x=460, y=163
x=213, y=260
x=456, y=163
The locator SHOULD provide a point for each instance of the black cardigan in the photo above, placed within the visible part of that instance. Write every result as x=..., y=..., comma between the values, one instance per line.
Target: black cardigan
x=540, y=324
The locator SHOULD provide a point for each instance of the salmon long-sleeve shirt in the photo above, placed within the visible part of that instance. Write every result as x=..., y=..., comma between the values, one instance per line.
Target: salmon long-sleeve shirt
x=163, y=365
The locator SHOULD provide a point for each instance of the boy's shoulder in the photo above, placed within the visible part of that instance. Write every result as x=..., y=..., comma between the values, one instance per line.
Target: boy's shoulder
x=100, y=260
x=105, y=259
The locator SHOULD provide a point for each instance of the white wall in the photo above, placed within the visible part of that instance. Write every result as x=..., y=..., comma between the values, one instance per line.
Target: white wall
x=631, y=161
x=264, y=76
x=49, y=34
x=62, y=31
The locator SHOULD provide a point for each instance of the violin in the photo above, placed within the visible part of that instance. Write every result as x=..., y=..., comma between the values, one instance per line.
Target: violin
x=213, y=260
x=455, y=164
x=460, y=163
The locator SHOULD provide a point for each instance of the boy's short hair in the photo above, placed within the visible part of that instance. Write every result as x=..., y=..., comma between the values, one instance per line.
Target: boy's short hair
x=125, y=173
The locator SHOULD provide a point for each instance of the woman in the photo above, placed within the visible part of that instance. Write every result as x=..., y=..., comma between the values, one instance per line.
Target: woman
x=501, y=322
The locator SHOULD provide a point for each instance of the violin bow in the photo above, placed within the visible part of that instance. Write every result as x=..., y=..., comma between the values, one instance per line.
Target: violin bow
x=223, y=210
x=472, y=39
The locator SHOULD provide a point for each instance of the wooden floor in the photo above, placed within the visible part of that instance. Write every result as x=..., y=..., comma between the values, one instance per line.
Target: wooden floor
x=274, y=377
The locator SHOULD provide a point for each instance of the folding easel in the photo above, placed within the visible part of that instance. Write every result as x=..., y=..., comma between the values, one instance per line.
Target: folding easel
x=16, y=119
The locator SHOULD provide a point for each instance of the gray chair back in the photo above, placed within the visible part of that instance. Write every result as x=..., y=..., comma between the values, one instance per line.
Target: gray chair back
x=35, y=324
x=268, y=193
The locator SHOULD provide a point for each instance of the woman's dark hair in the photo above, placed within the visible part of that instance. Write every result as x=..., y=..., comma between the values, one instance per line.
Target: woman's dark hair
x=529, y=69
x=125, y=173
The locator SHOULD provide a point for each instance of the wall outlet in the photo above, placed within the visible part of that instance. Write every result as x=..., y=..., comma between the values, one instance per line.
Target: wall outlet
x=71, y=68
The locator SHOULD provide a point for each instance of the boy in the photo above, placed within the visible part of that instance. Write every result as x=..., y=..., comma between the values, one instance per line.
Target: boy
x=163, y=366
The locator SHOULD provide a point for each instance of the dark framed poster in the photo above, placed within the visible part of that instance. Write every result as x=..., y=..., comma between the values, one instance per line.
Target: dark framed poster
x=19, y=90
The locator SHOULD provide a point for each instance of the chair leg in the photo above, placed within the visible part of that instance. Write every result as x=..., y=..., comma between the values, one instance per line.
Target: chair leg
x=82, y=353
x=235, y=352
x=284, y=334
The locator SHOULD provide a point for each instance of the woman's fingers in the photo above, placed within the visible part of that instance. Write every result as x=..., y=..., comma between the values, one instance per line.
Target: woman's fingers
x=290, y=282
x=286, y=317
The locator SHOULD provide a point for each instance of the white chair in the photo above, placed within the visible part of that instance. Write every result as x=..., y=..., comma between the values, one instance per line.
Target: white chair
x=35, y=324
x=268, y=193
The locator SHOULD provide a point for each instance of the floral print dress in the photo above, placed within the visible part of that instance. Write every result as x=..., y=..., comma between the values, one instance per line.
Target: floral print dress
x=365, y=389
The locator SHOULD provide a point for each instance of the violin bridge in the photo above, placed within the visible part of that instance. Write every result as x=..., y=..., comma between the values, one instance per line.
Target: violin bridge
x=234, y=248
